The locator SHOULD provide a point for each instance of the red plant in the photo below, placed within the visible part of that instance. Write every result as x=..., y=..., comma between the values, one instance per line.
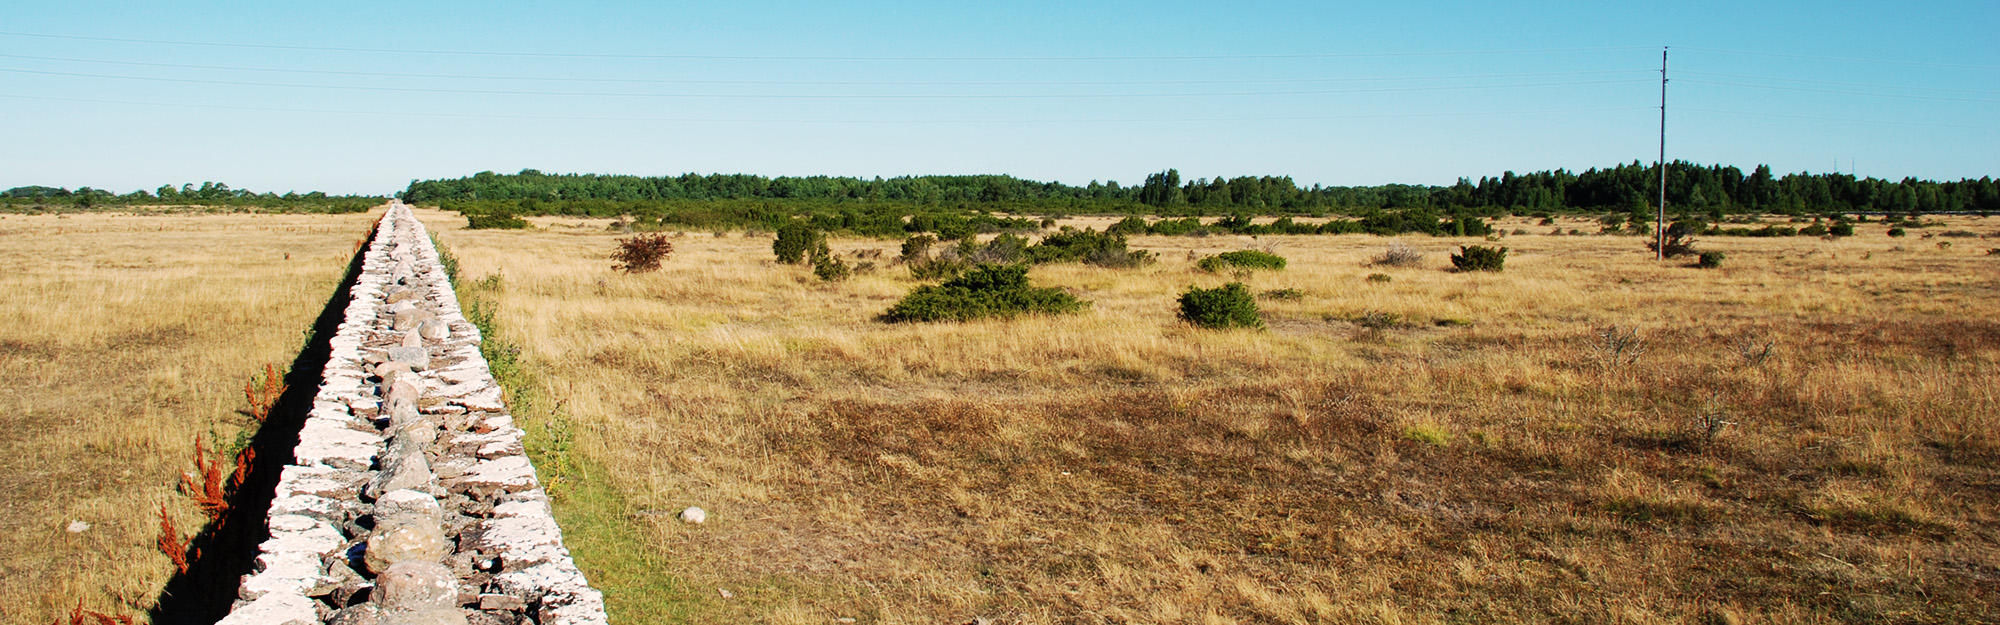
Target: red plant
x=171, y=543
x=263, y=399
x=243, y=460
x=204, y=486
x=79, y=615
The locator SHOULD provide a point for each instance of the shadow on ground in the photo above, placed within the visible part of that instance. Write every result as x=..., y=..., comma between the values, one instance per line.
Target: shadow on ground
x=226, y=549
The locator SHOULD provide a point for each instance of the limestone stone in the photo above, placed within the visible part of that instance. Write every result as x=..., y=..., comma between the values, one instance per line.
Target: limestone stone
x=415, y=586
x=408, y=506
x=363, y=614
x=399, y=472
x=404, y=542
x=416, y=357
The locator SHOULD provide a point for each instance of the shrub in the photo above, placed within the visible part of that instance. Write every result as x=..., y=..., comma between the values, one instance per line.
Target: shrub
x=1283, y=294
x=918, y=248
x=1896, y=232
x=1815, y=230
x=1227, y=306
x=1379, y=277
x=829, y=268
x=1479, y=258
x=1710, y=260
x=1246, y=259
x=795, y=241
x=642, y=253
x=1104, y=249
x=985, y=291
x=1679, y=239
x=1399, y=255
x=495, y=221
x=1841, y=229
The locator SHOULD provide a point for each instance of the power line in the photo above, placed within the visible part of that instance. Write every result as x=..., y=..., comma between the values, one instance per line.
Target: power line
x=812, y=82
x=1836, y=119
x=814, y=96
x=710, y=57
x=826, y=121
x=1841, y=59
x=1841, y=84
x=1861, y=93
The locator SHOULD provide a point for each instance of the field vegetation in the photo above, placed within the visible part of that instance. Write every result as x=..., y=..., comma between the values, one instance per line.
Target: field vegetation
x=126, y=338
x=1805, y=434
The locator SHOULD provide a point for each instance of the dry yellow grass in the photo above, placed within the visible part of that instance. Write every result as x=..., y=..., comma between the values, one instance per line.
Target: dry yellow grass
x=125, y=336
x=1440, y=447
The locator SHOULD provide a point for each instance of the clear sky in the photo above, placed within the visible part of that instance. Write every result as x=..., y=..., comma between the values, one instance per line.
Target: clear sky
x=363, y=96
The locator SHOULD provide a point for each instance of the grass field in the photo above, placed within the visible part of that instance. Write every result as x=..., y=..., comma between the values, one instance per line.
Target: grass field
x=124, y=337
x=1436, y=447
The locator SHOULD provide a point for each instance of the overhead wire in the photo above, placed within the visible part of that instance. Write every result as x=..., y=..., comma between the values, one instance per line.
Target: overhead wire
x=811, y=96
x=406, y=113
x=819, y=82
x=822, y=58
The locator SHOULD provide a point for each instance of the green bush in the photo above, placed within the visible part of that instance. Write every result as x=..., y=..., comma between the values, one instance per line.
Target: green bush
x=494, y=221
x=984, y=291
x=1290, y=295
x=1479, y=258
x=1227, y=306
x=1246, y=259
x=1710, y=260
x=1896, y=232
x=795, y=241
x=829, y=268
x=1841, y=229
x=1815, y=230
x=1070, y=245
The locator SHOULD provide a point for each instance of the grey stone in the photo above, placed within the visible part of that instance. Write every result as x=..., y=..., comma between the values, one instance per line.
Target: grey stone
x=434, y=330
x=500, y=602
x=428, y=617
x=416, y=586
x=408, y=506
x=399, y=472
x=408, y=320
x=364, y=614
x=417, y=358
x=404, y=542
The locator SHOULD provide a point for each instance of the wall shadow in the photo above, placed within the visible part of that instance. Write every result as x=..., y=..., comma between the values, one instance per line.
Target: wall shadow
x=226, y=549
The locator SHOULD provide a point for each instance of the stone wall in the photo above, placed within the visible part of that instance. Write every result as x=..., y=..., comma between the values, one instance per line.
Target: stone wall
x=410, y=498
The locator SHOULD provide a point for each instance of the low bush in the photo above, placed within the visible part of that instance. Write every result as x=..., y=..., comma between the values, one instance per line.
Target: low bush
x=1841, y=229
x=1710, y=260
x=1379, y=277
x=829, y=268
x=795, y=241
x=1679, y=239
x=494, y=221
x=1289, y=295
x=642, y=253
x=1244, y=259
x=1070, y=245
x=1398, y=255
x=1479, y=258
x=1896, y=232
x=984, y=291
x=1226, y=306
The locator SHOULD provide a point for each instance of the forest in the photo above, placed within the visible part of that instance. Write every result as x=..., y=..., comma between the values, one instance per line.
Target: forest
x=1631, y=187
x=213, y=195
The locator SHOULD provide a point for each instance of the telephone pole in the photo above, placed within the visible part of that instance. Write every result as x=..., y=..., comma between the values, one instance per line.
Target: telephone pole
x=1660, y=226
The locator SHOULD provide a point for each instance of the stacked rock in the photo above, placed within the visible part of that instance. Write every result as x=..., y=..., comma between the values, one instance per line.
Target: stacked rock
x=410, y=499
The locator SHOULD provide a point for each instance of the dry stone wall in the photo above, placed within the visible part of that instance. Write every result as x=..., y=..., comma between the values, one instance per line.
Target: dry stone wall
x=410, y=499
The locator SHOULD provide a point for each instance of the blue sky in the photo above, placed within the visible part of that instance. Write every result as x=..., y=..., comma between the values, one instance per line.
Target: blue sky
x=362, y=97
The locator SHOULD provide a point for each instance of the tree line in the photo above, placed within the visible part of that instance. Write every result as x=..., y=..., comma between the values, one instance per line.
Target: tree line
x=1631, y=187
x=208, y=194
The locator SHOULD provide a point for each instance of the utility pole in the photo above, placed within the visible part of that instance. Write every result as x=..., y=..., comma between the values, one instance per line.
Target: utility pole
x=1660, y=226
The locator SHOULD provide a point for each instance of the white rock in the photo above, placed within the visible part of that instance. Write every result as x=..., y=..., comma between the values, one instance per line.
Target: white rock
x=694, y=515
